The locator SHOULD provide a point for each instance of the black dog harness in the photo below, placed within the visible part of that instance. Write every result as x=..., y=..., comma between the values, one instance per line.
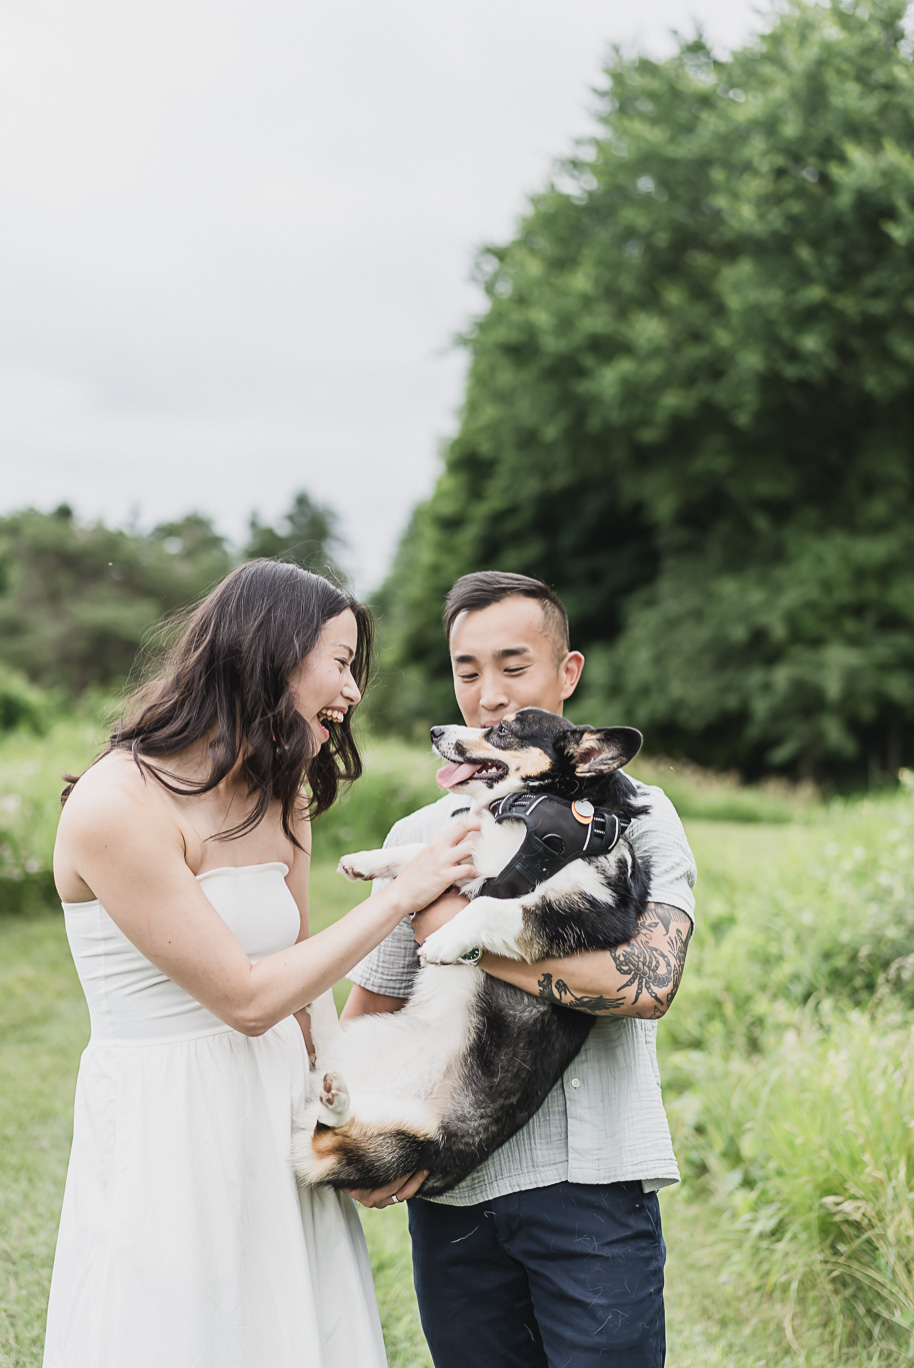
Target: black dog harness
x=558, y=831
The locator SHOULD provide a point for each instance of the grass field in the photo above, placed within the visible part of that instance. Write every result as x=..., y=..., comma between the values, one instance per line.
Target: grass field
x=788, y=1062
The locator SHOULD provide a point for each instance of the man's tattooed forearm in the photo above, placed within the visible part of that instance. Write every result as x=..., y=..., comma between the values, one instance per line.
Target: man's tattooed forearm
x=683, y=935
x=558, y=991
x=645, y=968
x=652, y=970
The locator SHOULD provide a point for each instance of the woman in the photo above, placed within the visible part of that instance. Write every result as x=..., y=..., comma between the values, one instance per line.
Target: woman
x=182, y=863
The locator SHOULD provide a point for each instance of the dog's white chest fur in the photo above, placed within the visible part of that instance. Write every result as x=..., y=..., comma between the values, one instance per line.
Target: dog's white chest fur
x=498, y=843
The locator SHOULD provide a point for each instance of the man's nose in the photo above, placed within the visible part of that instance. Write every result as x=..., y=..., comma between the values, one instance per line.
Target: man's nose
x=493, y=694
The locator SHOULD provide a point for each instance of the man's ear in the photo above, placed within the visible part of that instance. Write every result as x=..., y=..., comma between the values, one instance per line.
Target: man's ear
x=572, y=666
x=600, y=750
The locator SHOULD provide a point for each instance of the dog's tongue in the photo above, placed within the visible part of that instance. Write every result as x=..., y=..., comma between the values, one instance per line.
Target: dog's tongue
x=449, y=775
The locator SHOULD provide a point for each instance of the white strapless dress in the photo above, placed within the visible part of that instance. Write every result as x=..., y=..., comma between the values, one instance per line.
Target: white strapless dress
x=184, y=1240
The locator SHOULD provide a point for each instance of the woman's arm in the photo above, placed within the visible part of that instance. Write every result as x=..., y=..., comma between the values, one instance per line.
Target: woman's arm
x=297, y=881
x=129, y=851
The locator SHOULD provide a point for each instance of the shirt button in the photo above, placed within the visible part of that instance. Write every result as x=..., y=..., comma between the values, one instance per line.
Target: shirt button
x=575, y=1082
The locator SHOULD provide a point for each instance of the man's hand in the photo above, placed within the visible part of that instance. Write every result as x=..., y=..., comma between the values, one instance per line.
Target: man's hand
x=438, y=913
x=393, y=1192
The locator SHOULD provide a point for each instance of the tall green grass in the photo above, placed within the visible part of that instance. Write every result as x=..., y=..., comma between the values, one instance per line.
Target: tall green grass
x=809, y=1150
x=789, y=915
x=702, y=795
x=788, y=1065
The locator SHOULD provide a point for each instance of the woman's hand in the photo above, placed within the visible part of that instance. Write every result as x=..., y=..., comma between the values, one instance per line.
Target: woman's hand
x=446, y=860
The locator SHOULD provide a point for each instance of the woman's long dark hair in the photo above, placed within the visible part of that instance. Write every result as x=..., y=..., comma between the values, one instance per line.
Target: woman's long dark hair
x=227, y=677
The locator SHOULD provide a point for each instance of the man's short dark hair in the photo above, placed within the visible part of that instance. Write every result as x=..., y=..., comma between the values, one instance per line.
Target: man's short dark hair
x=485, y=587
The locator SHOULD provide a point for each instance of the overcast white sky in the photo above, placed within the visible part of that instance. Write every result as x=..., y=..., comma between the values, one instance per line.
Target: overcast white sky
x=237, y=237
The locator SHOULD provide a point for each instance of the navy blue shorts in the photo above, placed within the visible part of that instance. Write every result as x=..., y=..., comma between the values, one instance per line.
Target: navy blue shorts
x=566, y=1276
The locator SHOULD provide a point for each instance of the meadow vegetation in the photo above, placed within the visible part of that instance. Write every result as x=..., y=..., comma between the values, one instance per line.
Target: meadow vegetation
x=788, y=1065
x=788, y=1062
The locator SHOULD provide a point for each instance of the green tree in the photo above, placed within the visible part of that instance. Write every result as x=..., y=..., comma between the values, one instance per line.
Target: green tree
x=76, y=600
x=308, y=535
x=690, y=406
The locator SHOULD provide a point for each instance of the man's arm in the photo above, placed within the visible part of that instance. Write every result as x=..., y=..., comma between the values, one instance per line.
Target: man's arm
x=637, y=979
x=363, y=1002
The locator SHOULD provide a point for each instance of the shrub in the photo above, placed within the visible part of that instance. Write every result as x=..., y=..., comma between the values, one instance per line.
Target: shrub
x=796, y=915
x=810, y=1148
x=23, y=706
x=31, y=778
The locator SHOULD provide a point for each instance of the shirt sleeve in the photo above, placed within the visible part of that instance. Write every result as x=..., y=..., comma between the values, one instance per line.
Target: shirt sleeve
x=391, y=968
x=659, y=837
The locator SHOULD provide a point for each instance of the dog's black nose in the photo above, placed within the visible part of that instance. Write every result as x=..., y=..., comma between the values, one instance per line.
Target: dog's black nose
x=435, y=733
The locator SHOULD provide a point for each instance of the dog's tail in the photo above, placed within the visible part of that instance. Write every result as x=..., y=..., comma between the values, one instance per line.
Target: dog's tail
x=356, y=1155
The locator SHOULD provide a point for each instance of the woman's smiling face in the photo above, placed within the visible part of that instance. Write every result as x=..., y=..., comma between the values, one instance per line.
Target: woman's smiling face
x=322, y=687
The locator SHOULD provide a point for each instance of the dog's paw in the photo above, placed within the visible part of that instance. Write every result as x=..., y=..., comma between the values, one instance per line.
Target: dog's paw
x=487, y=924
x=363, y=865
x=335, y=1103
x=447, y=945
x=378, y=864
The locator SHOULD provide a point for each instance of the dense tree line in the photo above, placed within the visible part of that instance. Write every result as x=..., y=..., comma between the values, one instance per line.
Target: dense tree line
x=690, y=406
x=78, y=600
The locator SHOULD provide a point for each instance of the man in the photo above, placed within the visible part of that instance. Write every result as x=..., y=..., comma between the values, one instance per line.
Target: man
x=551, y=1252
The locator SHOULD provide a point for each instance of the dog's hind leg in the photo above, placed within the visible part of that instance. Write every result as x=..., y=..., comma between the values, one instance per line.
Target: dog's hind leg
x=335, y=1103
x=326, y=1031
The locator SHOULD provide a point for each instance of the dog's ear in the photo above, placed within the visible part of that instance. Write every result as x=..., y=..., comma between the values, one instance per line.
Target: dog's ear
x=600, y=750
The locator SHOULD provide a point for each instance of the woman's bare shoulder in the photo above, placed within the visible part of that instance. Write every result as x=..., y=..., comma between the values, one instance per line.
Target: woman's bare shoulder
x=115, y=796
x=116, y=777
x=114, y=806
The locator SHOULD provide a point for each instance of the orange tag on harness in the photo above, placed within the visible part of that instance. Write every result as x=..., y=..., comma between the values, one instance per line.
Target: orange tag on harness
x=583, y=809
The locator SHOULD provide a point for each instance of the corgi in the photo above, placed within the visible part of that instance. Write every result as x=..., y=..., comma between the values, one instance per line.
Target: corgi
x=442, y=1083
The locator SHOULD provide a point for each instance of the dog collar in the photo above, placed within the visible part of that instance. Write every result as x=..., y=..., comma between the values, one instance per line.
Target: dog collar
x=558, y=831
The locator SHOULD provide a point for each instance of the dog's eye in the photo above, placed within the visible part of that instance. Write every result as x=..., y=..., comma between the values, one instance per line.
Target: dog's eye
x=502, y=730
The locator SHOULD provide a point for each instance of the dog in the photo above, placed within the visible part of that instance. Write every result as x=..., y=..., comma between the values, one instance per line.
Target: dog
x=442, y=1083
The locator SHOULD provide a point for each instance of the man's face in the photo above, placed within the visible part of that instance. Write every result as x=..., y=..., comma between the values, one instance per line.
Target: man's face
x=503, y=661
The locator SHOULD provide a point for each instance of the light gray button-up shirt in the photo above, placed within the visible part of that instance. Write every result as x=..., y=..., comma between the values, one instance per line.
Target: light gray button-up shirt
x=603, y=1122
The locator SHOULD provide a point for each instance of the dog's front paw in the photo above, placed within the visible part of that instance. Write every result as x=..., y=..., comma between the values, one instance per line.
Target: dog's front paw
x=487, y=924
x=378, y=864
x=362, y=865
x=448, y=944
